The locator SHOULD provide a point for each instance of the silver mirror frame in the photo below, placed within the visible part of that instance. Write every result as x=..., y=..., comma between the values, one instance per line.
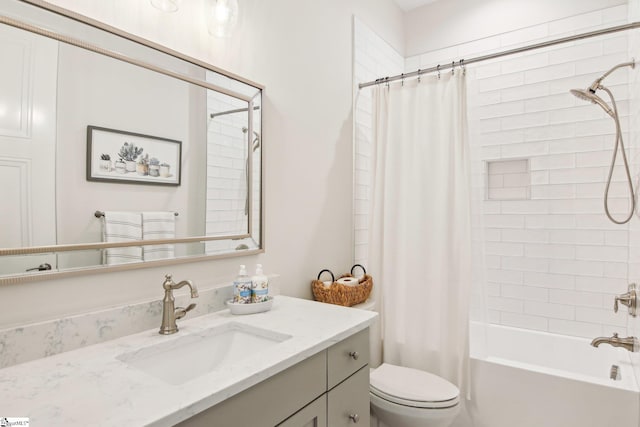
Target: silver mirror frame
x=45, y=275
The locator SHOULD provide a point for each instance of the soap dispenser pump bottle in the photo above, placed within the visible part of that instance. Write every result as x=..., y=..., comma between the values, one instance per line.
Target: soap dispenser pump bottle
x=242, y=287
x=259, y=286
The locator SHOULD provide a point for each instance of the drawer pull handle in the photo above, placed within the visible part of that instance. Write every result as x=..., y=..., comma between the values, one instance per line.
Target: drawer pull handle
x=354, y=355
x=355, y=418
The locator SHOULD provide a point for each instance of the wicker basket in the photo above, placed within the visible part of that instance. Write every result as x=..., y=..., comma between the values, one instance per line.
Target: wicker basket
x=340, y=294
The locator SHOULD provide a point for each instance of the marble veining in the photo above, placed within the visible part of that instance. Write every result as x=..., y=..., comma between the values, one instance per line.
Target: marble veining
x=37, y=340
x=112, y=393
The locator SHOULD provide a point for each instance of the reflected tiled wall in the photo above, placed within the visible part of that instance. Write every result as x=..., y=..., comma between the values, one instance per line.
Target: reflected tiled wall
x=226, y=189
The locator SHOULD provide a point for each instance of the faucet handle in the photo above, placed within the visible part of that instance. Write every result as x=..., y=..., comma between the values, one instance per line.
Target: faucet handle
x=628, y=299
x=181, y=311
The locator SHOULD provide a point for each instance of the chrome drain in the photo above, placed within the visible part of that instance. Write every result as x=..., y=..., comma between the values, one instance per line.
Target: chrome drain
x=614, y=373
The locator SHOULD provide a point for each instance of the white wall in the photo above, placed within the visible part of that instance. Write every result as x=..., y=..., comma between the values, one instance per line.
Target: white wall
x=301, y=51
x=554, y=261
x=634, y=230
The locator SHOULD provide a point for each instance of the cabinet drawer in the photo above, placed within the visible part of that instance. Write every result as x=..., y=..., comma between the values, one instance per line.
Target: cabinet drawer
x=346, y=357
x=270, y=402
x=312, y=415
x=348, y=403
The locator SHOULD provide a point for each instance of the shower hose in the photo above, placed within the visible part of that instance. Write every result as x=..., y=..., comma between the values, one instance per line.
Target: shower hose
x=619, y=143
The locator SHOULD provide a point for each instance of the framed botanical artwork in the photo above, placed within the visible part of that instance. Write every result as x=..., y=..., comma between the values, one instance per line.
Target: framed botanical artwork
x=132, y=158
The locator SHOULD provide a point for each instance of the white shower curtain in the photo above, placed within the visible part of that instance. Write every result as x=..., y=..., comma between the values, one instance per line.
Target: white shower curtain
x=420, y=224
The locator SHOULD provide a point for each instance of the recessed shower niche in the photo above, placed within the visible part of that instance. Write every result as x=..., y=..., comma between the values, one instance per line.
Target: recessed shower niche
x=508, y=179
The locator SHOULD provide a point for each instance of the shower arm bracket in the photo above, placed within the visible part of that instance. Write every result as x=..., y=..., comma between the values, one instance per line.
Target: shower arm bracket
x=596, y=84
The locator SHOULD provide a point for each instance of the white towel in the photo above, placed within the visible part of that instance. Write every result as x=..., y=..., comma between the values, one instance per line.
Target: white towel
x=122, y=227
x=158, y=225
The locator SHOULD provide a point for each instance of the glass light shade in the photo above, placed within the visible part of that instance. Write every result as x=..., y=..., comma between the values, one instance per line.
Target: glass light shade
x=166, y=5
x=223, y=16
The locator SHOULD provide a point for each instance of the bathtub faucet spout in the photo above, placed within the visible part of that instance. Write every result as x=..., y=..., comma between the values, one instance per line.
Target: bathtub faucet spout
x=628, y=343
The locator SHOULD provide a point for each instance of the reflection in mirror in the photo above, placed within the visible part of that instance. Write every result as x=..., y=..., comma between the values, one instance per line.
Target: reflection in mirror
x=235, y=144
x=52, y=91
x=27, y=129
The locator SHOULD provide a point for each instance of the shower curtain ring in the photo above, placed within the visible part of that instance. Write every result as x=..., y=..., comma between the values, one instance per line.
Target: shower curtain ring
x=438, y=70
x=453, y=69
x=402, y=78
x=464, y=69
x=418, y=75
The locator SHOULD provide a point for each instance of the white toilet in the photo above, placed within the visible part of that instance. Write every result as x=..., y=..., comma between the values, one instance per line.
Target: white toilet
x=406, y=397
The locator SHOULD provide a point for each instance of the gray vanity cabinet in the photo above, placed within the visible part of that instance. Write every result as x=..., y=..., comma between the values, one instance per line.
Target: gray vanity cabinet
x=346, y=357
x=348, y=381
x=348, y=402
x=312, y=415
x=330, y=388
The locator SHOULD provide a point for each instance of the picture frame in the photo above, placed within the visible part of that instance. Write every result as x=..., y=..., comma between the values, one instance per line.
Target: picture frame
x=132, y=158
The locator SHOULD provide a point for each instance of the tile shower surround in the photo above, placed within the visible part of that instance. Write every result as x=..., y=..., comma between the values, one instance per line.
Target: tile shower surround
x=553, y=259
x=373, y=58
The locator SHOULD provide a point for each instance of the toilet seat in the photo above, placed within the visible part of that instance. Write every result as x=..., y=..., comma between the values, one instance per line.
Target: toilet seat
x=413, y=387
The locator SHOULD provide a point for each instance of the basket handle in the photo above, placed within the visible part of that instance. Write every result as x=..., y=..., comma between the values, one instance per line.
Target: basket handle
x=358, y=265
x=333, y=278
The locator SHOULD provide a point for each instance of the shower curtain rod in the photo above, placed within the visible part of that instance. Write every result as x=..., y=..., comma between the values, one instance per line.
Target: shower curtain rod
x=237, y=110
x=463, y=62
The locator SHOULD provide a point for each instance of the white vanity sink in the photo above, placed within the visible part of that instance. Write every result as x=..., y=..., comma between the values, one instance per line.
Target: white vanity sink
x=148, y=379
x=187, y=357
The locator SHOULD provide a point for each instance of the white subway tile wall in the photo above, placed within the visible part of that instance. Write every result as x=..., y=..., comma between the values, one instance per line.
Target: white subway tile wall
x=553, y=261
x=372, y=58
x=227, y=151
x=227, y=147
x=618, y=269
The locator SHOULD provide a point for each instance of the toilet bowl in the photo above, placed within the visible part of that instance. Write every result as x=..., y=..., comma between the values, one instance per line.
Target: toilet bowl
x=406, y=397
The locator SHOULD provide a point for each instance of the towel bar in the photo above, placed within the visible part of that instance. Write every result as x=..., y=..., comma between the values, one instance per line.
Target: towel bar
x=100, y=214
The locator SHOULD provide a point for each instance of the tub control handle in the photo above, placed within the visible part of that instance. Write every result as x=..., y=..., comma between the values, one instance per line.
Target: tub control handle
x=629, y=299
x=355, y=418
x=354, y=355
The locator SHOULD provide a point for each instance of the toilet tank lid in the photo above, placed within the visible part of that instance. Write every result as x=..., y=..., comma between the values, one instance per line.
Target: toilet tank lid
x=412, y=384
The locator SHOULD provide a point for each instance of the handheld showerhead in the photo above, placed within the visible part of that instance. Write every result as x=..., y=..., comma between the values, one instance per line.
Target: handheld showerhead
x=256, y=140
x=588, y=95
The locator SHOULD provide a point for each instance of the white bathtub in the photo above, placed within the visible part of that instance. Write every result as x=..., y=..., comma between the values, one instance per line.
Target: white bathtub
x=523, y=378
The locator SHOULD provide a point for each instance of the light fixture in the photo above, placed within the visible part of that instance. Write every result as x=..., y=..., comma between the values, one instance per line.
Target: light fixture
x=223, y=16
x=166, y=5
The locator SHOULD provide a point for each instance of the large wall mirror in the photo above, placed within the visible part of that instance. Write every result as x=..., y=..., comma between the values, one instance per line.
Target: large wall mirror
x=117, y=153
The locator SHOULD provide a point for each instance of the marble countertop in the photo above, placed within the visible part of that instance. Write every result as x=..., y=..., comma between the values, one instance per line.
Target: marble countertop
x=90, y=386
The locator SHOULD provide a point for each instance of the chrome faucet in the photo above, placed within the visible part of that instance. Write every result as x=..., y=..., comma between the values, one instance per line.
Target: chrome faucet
x=628, y=343
x=169, y=312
